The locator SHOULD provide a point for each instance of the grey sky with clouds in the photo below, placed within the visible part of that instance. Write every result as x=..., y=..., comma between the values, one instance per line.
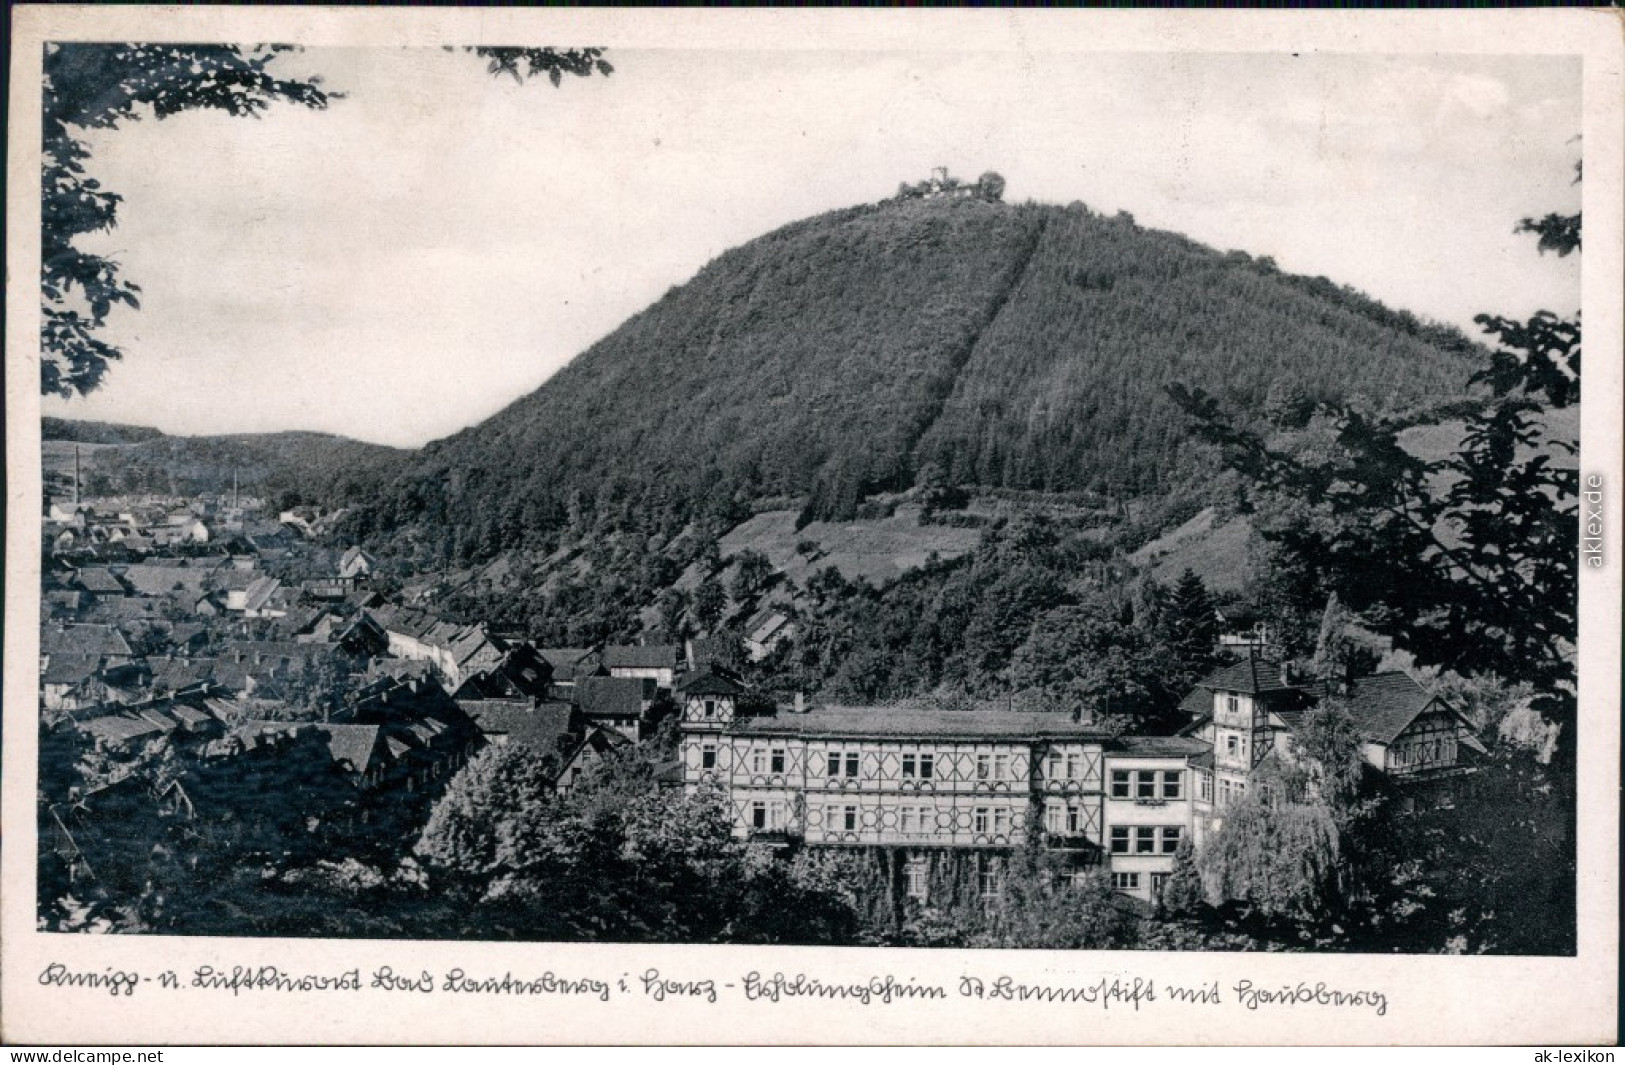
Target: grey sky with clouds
x=438, y=242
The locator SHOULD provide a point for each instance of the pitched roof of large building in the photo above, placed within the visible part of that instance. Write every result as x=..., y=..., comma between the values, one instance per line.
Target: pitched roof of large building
x=709, y=682
x=1158, y=746
x=540, y=728
x=100, y=580
x=84, y=640
x=654, y=656
x=1251, y=675
x=613, y=696
x=1384, y=704
x=895, y=722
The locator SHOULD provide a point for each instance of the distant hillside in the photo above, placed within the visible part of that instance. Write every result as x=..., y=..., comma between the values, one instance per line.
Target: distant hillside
x=874, y=348
x=95, y=432
x=117, y=459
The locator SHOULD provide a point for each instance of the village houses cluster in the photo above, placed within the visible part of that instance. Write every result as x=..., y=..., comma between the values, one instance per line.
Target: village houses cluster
x=203, y=653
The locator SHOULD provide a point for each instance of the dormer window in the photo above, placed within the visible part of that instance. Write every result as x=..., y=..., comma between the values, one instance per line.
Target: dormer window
x=710, y=708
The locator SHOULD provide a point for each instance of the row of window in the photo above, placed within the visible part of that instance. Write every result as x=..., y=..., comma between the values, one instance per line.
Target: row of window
x=1068, y=819
x=1146, y=839
x=1425, y=752
x=1165, y=784
x=1131, y=882
x=984, y=819
x=1144, y=784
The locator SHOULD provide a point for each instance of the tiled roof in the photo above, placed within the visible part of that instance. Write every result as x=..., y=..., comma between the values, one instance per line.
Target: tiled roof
x=902, y=722
x=100, y=579
x=1158, y=746
x=70, y=669
x=1383, y=704
x=564, y=660
x=1197, y=701
x=351, y=744
x=539, y=729
x=709, y=682
x=259, y=593
x=657, y=656
x=83, y=640
x=613, y=696
x=1252, y=676
x=152, y=578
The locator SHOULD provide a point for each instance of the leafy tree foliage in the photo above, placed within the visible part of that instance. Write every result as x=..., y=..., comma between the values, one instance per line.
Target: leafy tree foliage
x=1466, y=562
x=616, y=858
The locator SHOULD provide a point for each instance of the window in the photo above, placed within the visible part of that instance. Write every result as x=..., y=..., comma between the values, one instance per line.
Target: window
x=1232, y=703
x=1120, y=783
x=983, y=765
x=905, y=818
x=1001, y=821
x=1054, y=818
x=1074, y=767
x=851, y=764
x=1173, y=784
x=979, y=820
x=1001, y=767
x=988, y=881
x=1052, y=769
x=1158, y=882
x=708, y=756
x=777, y=762
x=917, y=877
x=758, y=815
x=710, y=708
x=1170, y=838
x=908, y=765
x=834, y=764
x=1146, y=786
x=1126, y=881
x=925, y=766
x=758, y=761
x=1204, y=787
x=849, y=818
x=1073, y=819
x=775, y=815
x=1145, y=840
x=1232, y=745
x=1119, y=839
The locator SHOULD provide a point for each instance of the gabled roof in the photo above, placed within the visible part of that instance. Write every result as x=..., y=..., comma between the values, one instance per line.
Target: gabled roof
x=709, y=682
x=259, y=593
x=352, y=745
x=613, y=696
x=1252, y=676
x=1383, y=705
x=70, y=669
x=656, y=656
x=539, y=729
x=99, y=579
x=83, y=640
x=564, y=659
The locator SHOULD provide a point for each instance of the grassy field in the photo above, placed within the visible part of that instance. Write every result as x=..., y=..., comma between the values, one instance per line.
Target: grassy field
x=879, y=550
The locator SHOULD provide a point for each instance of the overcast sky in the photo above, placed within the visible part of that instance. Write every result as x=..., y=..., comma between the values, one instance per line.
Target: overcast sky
x=439, y=242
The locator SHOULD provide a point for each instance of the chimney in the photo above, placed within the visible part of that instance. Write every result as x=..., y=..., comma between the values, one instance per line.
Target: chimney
x=801, y=703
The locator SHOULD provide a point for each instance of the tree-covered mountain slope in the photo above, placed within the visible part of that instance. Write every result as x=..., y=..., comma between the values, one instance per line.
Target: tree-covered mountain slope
x=963, y=341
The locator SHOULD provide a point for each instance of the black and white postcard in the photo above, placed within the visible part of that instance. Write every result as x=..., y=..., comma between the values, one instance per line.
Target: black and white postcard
x=812, y=527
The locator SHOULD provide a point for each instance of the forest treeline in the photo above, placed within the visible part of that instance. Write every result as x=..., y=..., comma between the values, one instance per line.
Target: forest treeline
x=1007, y=346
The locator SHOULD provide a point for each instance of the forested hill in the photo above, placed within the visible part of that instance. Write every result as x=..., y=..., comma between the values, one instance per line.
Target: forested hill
x=290, y=466
x=963, y=341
